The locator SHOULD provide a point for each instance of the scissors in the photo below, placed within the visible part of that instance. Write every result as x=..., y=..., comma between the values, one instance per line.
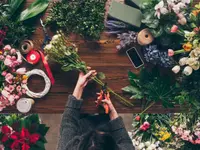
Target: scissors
x=47, y=39
x=104, y=94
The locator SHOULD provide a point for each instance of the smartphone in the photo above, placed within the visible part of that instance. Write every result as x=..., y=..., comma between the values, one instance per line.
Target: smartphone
x=134, y=57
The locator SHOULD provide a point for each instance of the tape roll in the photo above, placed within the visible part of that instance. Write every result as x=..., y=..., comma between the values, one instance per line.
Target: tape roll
x=47, y=84
x=24, y=105
x=33, y=57
x=145, y=37
x=26, y=46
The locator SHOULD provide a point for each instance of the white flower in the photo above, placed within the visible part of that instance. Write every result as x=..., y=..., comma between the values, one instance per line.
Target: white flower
x=176, y=69
x=147, y=144
x=178, y=7
x=55, y=37
x=186, y=1
x=187, y=71
x=48, y=47
x=149, y=148
x=153, y=146
x=183, y=61
x=182, y=21
x=141, y=146
x=160, y=9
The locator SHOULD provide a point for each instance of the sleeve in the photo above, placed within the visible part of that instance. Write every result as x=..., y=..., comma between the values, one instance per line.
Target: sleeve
x=120, y=135
x=69, y=125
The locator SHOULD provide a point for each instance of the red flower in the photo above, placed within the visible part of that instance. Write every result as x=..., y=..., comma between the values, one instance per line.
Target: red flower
x=23, y=139
x=6, y=130
x=145, y=126
x=137, y=118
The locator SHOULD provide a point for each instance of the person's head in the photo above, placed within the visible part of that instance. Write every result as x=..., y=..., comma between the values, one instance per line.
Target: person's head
x=100, y=141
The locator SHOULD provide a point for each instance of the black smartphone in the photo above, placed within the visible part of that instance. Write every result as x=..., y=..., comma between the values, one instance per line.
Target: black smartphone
x=134, y=57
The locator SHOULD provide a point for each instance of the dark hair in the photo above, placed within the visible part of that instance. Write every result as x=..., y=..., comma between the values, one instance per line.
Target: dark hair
x=100, y=141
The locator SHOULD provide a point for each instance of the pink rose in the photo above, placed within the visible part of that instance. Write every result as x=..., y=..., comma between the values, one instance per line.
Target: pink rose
x=18, y=88
x=8, y=62
x=11, y=88
x=11, y=98
x=12, y=51
x=19, y=94
x=145, y=126
x=5, y=93
x=4, y=73
x=9, y=78
x=17, y=97
x=1, y=57
x=170, y=52
x=7, y=48
x=13, y=58
x=21, y=71
x=174, y=29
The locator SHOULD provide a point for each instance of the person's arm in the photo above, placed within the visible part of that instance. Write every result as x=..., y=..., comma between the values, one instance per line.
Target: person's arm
x=117, y=129
x=69, y=125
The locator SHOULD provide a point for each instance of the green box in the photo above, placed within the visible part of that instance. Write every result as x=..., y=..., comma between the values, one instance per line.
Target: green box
x=125, y=14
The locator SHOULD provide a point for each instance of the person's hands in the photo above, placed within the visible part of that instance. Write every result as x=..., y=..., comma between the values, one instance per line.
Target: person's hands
x=113, y=113
x=82, y=82
x=84, y=78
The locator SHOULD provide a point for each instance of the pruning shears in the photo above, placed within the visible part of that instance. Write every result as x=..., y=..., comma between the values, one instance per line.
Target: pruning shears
x=47, y=39
x=104, y=94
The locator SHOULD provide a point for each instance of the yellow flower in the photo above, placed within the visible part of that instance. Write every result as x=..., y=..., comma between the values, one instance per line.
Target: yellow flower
x=166, y=136
x=187, y=47
x=195, y=12
x=25, y=77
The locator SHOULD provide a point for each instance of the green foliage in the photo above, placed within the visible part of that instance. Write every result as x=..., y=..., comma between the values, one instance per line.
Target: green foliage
x=34, y=9
x=18, y=30
x=153, y=86
x=84, y=17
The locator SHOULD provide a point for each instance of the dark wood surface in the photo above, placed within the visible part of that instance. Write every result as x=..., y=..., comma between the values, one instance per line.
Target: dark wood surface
x=103, y=58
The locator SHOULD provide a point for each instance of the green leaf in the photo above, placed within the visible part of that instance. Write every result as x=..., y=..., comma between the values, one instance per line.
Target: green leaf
x=14, y=5
x=40, y=144
x=137, y=94
x=34, y=9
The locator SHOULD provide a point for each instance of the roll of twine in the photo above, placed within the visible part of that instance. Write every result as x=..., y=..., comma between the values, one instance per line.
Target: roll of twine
x=24, y=105
x=47, y=84
x=145, y=37
x=26, y=46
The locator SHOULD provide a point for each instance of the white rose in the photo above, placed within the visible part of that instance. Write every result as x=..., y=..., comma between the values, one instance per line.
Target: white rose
x=191, y=61
x=183, y=61
x=147, y=144
x=187, y=71
x=153, y=146
x=141, y=146
x=182, y=21
x=196, y=66
x=149, y=148
x=176, y=69
x=55, y=37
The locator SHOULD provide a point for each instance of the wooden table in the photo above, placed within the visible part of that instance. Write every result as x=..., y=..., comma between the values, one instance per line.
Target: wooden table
x=103, y=58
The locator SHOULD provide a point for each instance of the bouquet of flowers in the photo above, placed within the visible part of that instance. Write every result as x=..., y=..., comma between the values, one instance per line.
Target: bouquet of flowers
x=190, y=46
x=65, y=53
x=22, y=132
x=11, y=78
x=151, y=131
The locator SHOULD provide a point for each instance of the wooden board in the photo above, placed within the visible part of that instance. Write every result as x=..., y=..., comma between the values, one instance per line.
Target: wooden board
x=103, y=58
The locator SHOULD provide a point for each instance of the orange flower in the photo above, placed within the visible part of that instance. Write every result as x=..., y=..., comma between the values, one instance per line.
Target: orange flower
x=195, y=12
x=1, y=52
x=187, y=47
x=25, y=77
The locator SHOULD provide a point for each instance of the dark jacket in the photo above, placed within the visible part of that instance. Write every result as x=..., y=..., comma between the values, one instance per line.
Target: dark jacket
x=75, y=130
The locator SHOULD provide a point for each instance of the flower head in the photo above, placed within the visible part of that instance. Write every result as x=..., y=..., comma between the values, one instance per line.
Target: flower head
x=174, y=29
x=160, y=9
x=176, y=69
x=187, y=47
x=170, y=52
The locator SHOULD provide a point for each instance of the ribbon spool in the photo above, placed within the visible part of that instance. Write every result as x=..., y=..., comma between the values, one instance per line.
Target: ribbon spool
x=26, y=46
x=145, y=37
x=24, y=105
x=33, y=57
x=47, y=84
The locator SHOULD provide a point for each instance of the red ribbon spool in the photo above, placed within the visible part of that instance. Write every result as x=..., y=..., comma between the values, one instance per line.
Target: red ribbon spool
x=33, y=57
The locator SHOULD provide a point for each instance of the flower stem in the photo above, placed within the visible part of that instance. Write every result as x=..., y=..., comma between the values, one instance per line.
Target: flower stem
x=147, y=108
x=179, y=51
